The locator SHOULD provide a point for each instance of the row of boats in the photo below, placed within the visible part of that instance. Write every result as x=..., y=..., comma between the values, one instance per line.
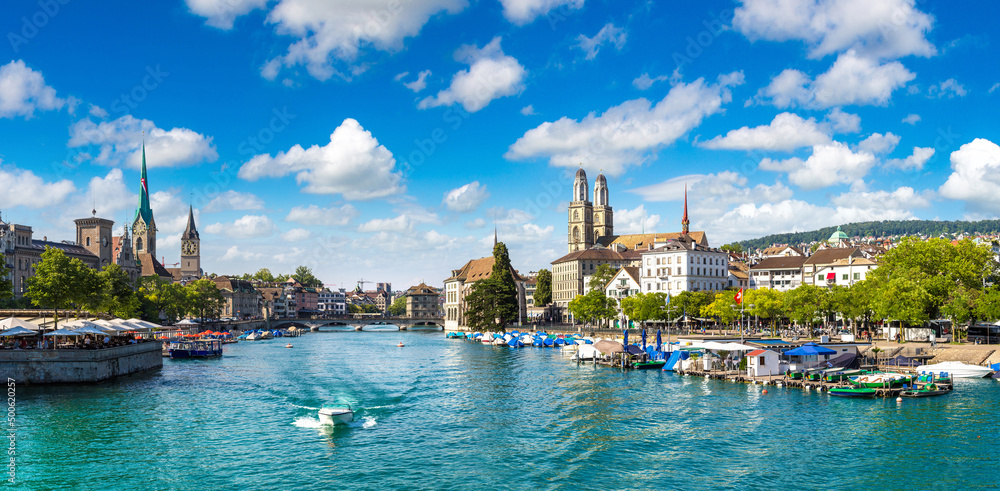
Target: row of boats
x=930, y=380
x=516, y=339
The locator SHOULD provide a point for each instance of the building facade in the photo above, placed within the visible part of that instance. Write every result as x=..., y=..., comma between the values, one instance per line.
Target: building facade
x=241, y=299
x=459, y=285
x=682, y=264
x=422, y=301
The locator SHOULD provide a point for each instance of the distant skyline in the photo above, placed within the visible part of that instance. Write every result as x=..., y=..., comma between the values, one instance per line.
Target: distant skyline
x=384, y=141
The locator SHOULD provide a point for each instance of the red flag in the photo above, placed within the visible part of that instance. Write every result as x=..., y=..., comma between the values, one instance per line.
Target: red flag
x=739, y=297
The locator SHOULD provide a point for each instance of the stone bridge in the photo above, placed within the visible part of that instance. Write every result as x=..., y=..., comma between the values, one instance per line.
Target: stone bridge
x=362, y=324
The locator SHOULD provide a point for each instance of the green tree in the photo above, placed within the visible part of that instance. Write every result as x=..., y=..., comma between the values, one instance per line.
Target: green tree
x=988, y=304
x=733, y=247
x=767, y=304
x=601, y=277
x=806, y=304
x=645, y=307
x=304, y=275
x=690, y=303
x=543, y=290
x=398, y=306
x=205, y=300
x=723, y=306
x=116, y=295
x=162, y=301
x=7, y=286
x=264, y=274
x=281, y=278
x=506, y=307
x=593, y=307
x=60, y=282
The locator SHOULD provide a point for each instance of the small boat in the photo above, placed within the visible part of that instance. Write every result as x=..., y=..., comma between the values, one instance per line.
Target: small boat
x=927, y=390
x=879, y=380
x=852, y=392
x=957, y=369
x=199, y=348
x=454, y=335
x=649, y=365
x=838, y=374
x=400, y=345
x=289, y=345
x=336, y=414
x=794, y=375
x=253, y=336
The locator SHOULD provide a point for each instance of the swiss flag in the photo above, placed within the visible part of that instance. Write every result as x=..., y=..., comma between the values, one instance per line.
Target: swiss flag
x=739, y=297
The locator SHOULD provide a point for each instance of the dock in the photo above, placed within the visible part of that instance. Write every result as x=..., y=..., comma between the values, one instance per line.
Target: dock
x=782, y=381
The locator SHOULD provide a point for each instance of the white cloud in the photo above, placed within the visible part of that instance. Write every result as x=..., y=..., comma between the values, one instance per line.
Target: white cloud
x=417, y=85
x=235, y=254
x=353, y=164
x=862, y=206
x=326, y=217
x=296, y=235
x=524, y=11
x=852, y=79
x=786, y=132
x=975, y=176
x=329, y=36
x=844, y=122
x=23, y=90
x=915, y=161
x=25, y=188
x=120, y=143
x=466, y=198
x=522, y=233
x=885, y=29
x=528, y=110
x=401, y=223
x=994, y=87
x=491, y=75
x=947, y=90
x=477, y=223
x=608, y=34
x=109, y=195
x=627, y=134
x=644, y=81
x=233, y=200
x=635, y=221
x=911, y=119
x=222, y=13
x=879, y=144
x=246, y=227
x=97, y=111
x=830, y=164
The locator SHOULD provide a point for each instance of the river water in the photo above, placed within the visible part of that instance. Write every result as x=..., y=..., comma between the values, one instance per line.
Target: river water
x=451, y=414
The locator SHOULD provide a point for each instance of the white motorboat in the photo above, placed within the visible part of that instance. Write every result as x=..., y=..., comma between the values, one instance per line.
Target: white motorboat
x=336, y=414
x=253, y=336
x=957, y=369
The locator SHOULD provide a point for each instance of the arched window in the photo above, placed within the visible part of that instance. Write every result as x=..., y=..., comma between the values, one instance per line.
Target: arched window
x=88, y=241
x=138, y=244
x=576, y=215
x=576, y=234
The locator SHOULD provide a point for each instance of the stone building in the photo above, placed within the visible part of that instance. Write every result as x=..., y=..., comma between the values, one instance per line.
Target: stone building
x=422, y=301
x=241, y=299
x=459, y=285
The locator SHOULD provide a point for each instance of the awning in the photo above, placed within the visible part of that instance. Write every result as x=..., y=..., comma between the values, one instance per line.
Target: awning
x=810, y=349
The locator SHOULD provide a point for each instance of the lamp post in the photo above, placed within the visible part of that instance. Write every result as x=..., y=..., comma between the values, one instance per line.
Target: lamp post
x=748, y=322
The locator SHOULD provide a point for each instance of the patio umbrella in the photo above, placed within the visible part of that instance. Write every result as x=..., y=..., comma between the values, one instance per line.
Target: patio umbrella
x=625, y=339
x=63, y=332
x=644, y=338
x=810, y=349
x=89, y=330
x=18, y=331
x=12, y=322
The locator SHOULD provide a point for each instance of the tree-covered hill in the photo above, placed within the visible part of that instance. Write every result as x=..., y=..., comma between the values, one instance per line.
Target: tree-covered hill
x=933, y=228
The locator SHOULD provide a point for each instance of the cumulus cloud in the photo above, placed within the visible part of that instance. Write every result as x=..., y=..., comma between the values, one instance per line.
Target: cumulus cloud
x=222, y=13
x=886, y=29
x=466, y=198
x=296, y=235
x=975, y=176
x=947, y=90
x=233, y=200
x=23, y=90
x=635, y=221
x=401, y=223
x=24, y=188
x=852, y=79
x=246, y=227
x=863, y=205
x=915, y=161
x=843, y=122
x=528, y=110
x=830, y=164
x=327, y=217
x=235, y=254
x=525, y=11
x=911, y=119
x=417, y=85
x=644, y=81
x=609, y=34
x=353, y=165
x=491, y=75
x=879, y=144
x=119, y=143
x=109, y=195
x=786, y=132
x=627, y=134
x=711, y=195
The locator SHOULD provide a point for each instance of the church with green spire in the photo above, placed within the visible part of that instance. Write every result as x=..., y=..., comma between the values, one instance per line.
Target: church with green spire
x=144, y=230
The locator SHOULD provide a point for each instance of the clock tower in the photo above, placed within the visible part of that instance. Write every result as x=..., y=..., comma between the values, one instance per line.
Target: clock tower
x=190, y=250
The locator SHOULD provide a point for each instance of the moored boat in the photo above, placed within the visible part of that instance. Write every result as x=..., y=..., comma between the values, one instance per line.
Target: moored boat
x=852, y=392
x=195, y=348
x=839, y=374
x=649, y=365
x=880, y=380
x=957, y=369
x=926, y=390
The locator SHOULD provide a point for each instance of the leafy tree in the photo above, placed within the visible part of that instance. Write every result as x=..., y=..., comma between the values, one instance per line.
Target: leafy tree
x=264, y=274
x=281, y=278
x=7, y=286
x=543, y=291
x=806, y=304
x=767, y=304
x=161, y=300
x=733, y=247
x=398, y=306
x=644, y=307
x=601, y=277
x=116, y=295
x=988, y=304
x=690, y=303
x=506, y=307
x=60, y=282
x=594, y=307
x=304, y=275
x=205, y=300
x=724, y=307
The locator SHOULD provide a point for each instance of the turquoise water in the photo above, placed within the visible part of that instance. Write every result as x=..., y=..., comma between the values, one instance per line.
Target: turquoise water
x=450, y=414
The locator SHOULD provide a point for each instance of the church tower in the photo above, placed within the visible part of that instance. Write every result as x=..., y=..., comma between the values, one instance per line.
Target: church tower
x=604, y=222
x=190, y=250
x=684, y=221
x=581, y=215
x=94, y=234
x=144, y=227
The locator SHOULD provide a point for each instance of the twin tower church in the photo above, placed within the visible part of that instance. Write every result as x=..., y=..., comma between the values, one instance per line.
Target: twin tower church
x=593, y=222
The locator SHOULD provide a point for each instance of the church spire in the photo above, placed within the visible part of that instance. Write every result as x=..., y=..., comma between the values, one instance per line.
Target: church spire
x=684, y=221
x=191, y=232
x=144, y=211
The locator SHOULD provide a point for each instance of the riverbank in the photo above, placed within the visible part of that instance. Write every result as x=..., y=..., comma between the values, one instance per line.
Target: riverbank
x=67, y=366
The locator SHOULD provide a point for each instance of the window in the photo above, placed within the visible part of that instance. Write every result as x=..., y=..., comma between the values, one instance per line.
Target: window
x=845, y=276
x=819, y=277
x=857, y=276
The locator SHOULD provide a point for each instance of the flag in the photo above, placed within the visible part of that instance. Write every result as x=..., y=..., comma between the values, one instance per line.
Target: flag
x=739, y=297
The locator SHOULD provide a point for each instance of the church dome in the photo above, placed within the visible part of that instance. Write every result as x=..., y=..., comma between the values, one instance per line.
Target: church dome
x=838, y=236
x=600, y=178
x=580, y=174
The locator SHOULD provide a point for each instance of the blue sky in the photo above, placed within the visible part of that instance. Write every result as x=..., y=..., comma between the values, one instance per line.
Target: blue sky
x=383, y=139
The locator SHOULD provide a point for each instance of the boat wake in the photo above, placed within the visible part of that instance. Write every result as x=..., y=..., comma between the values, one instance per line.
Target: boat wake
x=306, y=407
x=307, y=422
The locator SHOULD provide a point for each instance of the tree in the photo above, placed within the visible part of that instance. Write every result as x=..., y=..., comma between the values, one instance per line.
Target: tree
x=506, y=306
x=205, y=300
x=116, y=294
x=7, y=286
x=806, y=304
x=543, y=290
x=724, y=307
x=601, y=277
x=733, y=247
x=690, y=303
x=60, y=282
x=264, y=274
x=398, y=306
x=593, y=307
x=162, y=301
x=767, y=303
x=304, y=275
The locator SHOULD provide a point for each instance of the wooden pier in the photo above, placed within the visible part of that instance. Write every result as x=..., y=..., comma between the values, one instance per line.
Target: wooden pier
x=783, y=381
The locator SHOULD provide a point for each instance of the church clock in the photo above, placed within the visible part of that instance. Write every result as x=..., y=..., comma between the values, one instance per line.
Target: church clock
x=189, y=248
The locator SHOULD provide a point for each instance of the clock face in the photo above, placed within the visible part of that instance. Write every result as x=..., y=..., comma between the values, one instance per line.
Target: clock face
x=189, y=248
x=139, y=228
x=104, y=241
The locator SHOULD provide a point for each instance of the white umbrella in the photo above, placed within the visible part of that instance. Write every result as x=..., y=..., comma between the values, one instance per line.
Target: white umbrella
x=18, y=331
x=128, y=325
x=80, y=324
x=63, y=332
x=142, y=323
x=12, y=322
x=112, y=326
x=89, y=330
